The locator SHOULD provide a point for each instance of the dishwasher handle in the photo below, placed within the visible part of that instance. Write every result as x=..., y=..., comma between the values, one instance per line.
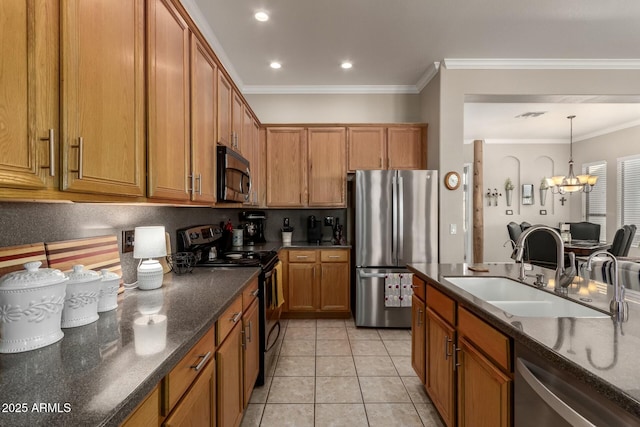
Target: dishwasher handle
x=369, y=275
x=558, y=405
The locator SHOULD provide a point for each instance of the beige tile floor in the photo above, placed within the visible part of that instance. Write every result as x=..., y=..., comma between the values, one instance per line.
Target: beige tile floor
x=330, y=373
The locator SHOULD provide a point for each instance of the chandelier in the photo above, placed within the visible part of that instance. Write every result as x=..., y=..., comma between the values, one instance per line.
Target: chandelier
x=571, y=183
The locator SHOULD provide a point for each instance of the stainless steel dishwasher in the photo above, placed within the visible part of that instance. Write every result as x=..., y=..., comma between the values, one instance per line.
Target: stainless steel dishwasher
x=547, y=396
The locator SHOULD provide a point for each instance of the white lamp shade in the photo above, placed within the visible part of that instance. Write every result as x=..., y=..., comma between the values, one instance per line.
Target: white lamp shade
x=149, y=242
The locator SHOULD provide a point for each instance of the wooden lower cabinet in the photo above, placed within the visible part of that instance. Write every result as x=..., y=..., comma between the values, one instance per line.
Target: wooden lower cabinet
x=318, y=281
x=197, y=406
x=483, y=390
x=229, y=397
x=147, y=414
x=440, y=366
x=251, y=349
x=418, y=337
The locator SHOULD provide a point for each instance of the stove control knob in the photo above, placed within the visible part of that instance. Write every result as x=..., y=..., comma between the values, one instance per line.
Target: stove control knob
x=194, y=235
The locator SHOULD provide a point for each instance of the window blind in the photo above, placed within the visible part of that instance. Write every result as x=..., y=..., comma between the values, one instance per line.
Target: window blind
x=595, y=202
x=628, y=202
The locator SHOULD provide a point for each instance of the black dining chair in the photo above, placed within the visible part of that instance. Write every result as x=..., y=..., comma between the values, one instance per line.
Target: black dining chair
x=620, y=239
x=584, y=231
x=632, y=234
x=514, y=230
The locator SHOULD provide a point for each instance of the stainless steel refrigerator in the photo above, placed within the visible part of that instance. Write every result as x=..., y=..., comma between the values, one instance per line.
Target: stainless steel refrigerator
x=396, y=223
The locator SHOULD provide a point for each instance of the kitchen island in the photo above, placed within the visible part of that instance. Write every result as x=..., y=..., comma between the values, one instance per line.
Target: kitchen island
x=598, y=352
x=96, y=375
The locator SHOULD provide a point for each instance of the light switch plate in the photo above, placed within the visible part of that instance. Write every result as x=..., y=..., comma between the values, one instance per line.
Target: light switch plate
x=453, y=229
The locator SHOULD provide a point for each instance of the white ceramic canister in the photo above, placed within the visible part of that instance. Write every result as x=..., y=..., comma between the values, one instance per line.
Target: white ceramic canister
x=237, y=237
x=81, y=300
x=31, y=303
x=109, y=284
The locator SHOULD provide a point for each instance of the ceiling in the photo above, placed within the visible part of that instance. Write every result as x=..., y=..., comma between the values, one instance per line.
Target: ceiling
x=394, y=44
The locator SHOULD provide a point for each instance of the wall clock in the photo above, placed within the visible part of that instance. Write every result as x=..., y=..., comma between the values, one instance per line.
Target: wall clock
x=452, y=180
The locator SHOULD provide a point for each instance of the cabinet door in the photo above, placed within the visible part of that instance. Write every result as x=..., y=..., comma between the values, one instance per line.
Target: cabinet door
x=29, y=101
x=301, y=279
x=367, y=148
x=286, y=154
x=418, y=337
x=169, y=144
x=147, y=413
x=249, y=150
x=257, y=166
x=103, y=104
x=197, y=407
x=225, y=91
x=203, y=123
x=327, y=171
x=237, y=119
x=405, y=148
x=440, y=375
x=483, y=390
x=229, y=379
x=334, y=286
x=251, y=354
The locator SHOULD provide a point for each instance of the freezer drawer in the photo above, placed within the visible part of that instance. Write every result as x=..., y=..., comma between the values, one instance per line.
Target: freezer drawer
x=370, y=307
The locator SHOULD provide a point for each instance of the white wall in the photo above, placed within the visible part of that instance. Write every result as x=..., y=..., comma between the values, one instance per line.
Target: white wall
x=455, y=84
x=330, y=108
x=609, y=147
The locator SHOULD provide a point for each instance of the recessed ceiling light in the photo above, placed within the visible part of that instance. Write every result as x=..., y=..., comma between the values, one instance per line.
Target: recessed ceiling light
x=261, y=16
x=346, y=65
x=275, y=65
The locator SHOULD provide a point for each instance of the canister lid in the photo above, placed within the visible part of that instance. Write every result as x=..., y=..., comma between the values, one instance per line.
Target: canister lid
x=108, y=275
x=80, y=275
x=32, y=277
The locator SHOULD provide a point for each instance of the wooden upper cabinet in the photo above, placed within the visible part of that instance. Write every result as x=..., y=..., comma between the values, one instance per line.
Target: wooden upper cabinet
x=169, y=144
x=286, y=154
x=237, y=119
x=225, y=92
x=327, y=173
x=103, y=115
x=29, y=94
x=367, y=148
x=203, y=123
x=257, y=166
x=405, y=148
x=250, y=152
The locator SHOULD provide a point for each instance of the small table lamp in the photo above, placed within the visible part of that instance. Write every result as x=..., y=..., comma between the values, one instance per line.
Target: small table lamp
x=149, y=242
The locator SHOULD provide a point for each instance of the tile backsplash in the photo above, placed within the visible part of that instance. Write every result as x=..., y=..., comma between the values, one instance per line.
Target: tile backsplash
x=22, y=223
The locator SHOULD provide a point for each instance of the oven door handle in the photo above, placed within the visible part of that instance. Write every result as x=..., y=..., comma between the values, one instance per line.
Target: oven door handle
x=559, y=406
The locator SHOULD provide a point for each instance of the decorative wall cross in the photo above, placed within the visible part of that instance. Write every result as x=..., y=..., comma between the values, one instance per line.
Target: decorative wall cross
x=562, y=200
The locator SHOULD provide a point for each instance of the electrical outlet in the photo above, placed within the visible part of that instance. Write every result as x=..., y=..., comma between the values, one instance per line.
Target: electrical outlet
x=127, y=241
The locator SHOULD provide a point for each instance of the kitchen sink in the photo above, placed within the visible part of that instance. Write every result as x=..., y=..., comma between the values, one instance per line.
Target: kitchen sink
x=522, y=300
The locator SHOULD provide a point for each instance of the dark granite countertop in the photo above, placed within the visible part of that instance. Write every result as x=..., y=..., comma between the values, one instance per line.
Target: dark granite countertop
x=94, y=376
x=276, y=246
x=598, y=351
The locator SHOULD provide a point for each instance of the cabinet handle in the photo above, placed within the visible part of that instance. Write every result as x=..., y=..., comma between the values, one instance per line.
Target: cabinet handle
x=250, y=334
x=255, y=293
x=447, y=340
x=302, y=256
x=52, y=156
x=203, y=359
x=456, y=358
x=380, y=162
x=420, y=317
x=243, y=342
x=191, y=184
x=80, y=147
x=334, y=256
x=236, y=317
x=199, y=179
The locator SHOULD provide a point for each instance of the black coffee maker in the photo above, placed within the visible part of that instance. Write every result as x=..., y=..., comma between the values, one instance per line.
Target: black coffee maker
x=314, y=230
x=253, y=224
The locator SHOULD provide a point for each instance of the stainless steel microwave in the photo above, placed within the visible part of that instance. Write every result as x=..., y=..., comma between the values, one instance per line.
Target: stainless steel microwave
x=233, y=176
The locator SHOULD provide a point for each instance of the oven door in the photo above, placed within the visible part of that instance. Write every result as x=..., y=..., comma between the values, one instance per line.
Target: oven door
x=234, y=176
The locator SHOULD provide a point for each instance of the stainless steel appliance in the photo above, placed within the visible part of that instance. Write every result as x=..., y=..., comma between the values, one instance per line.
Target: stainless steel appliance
x=314, y=230
x=202, y=241
x=396, y=223
x=545, y=395
x=253, y=224
x=233, y=176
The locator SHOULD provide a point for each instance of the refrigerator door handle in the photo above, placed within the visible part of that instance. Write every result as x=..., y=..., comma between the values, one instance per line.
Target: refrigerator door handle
x=394, y=222
x=369, y=275
x=400, y=229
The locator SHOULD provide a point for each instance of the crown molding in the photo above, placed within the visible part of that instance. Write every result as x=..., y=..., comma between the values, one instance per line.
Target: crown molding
x=540, y=64
x=328, y=89
x=608, y=130
x=198, y=17
x=429, y=74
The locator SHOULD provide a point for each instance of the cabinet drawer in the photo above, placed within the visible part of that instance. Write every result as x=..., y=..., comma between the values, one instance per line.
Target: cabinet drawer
x=302, y=256
x=334, y=255
x=489, y=341
x=229, y=318
x=419, y=288
x=249, y=294
x=147, y=413
x=441, y=304
x=181, y=377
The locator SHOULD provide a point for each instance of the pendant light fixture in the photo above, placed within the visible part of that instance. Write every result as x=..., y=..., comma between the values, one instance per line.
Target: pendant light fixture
x=571, y=183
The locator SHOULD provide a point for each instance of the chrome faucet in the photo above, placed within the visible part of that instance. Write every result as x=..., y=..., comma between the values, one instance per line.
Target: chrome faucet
x=564, y=276
x=618, y=305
